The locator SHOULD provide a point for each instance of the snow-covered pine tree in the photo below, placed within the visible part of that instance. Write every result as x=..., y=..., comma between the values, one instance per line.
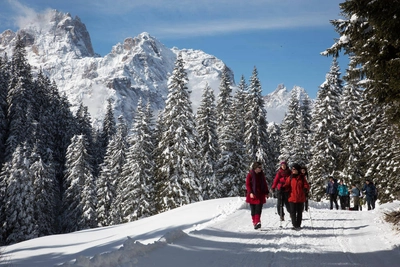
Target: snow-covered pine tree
x=84, y=127
x=178, y=181
x=18, y=99
x=325, y=139
x=231, y=169
x=79, y=198
x=19, y=221
x=351, y=133
x=110, y=176
x=302, y=146
x=45, y=193
x=382, y=151
x=105, y=134
x=224, y=101
x=136, y=188
x=256, y=135
x=290, y=128
x=4, y=80
x=209, y=146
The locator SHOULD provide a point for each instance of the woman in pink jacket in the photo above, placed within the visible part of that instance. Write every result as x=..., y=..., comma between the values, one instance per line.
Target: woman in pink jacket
x=257, y=192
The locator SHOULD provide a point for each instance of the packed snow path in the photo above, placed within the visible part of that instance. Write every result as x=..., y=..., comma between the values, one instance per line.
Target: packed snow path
x=330, y=238
x=219, y=233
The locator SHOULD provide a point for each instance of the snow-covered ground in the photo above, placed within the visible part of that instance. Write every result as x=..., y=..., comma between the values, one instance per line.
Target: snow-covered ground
x=219, y=233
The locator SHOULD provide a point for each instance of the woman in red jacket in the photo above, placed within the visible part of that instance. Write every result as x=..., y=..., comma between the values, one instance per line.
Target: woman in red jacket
x=297, y=186
x=257, y=192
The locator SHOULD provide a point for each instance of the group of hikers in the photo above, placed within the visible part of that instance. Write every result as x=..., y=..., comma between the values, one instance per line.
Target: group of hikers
x=334, y=190
x=291, y=188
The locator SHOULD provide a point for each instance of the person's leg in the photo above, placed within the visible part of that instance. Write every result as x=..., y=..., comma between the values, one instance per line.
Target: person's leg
x=279, y=203
x=285, y=201
x=299, y=213
x=257, y=216
x=292, y=209
x=335, y=200
x=253, y=212
x=341, y=200
x=331, y=200
x=369, y=202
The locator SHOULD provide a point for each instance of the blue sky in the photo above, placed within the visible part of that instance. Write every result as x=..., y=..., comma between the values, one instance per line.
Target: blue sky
x=282, y=38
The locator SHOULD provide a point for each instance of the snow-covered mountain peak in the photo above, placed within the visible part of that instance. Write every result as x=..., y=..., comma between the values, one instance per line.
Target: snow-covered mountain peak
x=138, y=67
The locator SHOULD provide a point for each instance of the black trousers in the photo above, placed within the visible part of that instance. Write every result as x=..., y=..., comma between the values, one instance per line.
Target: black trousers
x=344, y=202
x=333, y=199
x=256, y=209
x=282, y=201
x=296, y=213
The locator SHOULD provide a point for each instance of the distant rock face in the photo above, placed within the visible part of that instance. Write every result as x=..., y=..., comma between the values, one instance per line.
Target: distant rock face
x=277, y=102
x=137, y=68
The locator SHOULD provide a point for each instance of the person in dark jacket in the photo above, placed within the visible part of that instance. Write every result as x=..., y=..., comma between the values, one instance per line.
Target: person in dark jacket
x=332, y=191
x=369, y=191
x=257, y=192
x=277, y=186
x=297, y=185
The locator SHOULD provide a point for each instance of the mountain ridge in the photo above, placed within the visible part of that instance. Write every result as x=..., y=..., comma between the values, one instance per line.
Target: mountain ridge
x=138, y=67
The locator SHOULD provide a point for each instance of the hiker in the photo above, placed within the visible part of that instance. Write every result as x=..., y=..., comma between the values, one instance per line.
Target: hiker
x=369, y=191
x=297, y=185
x=277, y=187
x=355, y=195
x=343, y=193
x=331, y=190
x=305, y=173
x=257, y=192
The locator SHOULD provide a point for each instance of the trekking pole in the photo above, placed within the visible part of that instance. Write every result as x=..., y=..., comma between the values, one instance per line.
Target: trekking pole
x=281, y=210
x=309, y=214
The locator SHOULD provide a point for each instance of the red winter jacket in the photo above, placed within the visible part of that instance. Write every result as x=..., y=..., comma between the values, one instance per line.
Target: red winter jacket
x=296, y=186
x=256, y=184
x=280, y=178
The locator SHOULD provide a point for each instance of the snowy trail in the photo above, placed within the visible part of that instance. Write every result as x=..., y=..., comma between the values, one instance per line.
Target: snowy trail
x=346, y=238
x=220, y=233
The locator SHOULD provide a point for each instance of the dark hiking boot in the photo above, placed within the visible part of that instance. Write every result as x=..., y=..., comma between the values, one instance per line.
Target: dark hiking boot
x=257, y=226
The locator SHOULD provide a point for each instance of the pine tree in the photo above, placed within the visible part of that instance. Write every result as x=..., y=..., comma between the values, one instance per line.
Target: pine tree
x=178, y=181
x=209, y=146
x=136, y=189
x=369, y=33
x=4, y=81
x=44, y=190
x=110, y=176
x=256, y=135
x=351, y=133
x=224, y=101
x=19, y=223
x=19, y=107
x=105, y=135
x=290, y=128
x=231, y=168
x=302, y=144
x=79, y=198
x=325, y=139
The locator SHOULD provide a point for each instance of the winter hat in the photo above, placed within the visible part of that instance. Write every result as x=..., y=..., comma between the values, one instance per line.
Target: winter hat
x=283, y=162
x=297, y=167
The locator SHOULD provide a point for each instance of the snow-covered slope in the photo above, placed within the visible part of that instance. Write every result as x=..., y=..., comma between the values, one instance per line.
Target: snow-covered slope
x=138, y=67
x=219, y=233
